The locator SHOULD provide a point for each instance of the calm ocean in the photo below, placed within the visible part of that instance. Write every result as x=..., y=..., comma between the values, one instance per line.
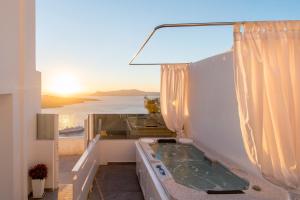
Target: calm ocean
x=74, y=115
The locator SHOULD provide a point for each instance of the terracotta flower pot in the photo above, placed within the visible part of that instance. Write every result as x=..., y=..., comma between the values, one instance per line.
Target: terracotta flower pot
x=38, y=186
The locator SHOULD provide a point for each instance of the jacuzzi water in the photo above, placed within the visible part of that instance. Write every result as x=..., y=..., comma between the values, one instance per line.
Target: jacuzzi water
x=190, y=167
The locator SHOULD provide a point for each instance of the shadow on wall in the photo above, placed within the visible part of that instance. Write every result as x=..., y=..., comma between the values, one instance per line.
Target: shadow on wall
x=213, y=116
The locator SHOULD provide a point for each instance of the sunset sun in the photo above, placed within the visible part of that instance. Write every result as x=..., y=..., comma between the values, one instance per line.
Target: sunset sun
x=65, y=85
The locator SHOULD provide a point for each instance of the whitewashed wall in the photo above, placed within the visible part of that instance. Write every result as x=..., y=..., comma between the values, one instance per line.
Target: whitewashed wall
x=213, y=119
x=6, y=154
x=116, y=151
x=20, y=98
x=71, y=146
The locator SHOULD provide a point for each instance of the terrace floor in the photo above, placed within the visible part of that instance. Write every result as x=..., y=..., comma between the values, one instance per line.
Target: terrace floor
x=116, y=182
x=112, y=182
x=66, y=164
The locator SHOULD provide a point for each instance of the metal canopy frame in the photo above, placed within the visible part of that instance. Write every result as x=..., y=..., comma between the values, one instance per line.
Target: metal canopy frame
x=183, y=25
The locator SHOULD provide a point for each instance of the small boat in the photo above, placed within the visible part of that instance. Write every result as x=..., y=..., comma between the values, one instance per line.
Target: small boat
x=72, y=130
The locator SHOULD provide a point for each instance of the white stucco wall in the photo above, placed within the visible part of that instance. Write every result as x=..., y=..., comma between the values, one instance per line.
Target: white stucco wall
x=20, y=84
x=213, y=119
x=71, y=146
x=6, y=126
x=46, y=151
x=116, y=151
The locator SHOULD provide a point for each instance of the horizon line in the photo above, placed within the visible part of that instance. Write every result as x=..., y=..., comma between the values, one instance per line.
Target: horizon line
x=91, y=92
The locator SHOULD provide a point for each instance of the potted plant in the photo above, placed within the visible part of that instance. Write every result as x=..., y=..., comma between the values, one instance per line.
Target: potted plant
x=38, y=173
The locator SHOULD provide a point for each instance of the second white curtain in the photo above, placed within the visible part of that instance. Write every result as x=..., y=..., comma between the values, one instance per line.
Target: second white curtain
x=173, y=95
x=267, y=75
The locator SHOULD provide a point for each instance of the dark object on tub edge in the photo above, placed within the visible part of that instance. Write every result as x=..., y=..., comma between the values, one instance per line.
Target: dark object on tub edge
x=224, y=192
x=166, y=141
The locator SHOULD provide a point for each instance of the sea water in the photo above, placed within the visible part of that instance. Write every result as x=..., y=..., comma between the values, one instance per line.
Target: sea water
x=74, y=115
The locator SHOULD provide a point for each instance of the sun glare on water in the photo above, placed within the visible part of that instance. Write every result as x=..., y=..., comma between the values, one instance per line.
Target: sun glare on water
x=65, y=85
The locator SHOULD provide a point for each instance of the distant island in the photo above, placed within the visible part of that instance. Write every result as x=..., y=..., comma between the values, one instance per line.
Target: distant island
x=50, y=101
x=132, y=92
x=53, y=101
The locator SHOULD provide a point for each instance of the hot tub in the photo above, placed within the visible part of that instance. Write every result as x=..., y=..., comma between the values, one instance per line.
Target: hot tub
x=170, y=169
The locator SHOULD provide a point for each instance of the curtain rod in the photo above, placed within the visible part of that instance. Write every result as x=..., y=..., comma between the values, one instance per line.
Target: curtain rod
x=184, y=25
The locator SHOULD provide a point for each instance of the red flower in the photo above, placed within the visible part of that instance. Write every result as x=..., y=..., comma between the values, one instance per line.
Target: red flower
x=39, y=171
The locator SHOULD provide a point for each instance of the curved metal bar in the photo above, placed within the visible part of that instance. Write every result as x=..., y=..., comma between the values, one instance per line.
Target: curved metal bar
x=176, y=26
x=195, y=24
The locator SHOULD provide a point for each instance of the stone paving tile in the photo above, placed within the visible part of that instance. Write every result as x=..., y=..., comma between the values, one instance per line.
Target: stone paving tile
x=66, y=164
x=116, y=182
x=65, y=192
x=125, y=196
x=49, y=195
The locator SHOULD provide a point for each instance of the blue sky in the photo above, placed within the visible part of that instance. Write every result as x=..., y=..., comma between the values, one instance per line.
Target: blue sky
x=92, y=41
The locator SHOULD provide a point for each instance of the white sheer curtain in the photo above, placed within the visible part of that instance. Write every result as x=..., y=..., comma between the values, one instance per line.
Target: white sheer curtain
x=173, y=96
x=267, y=77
